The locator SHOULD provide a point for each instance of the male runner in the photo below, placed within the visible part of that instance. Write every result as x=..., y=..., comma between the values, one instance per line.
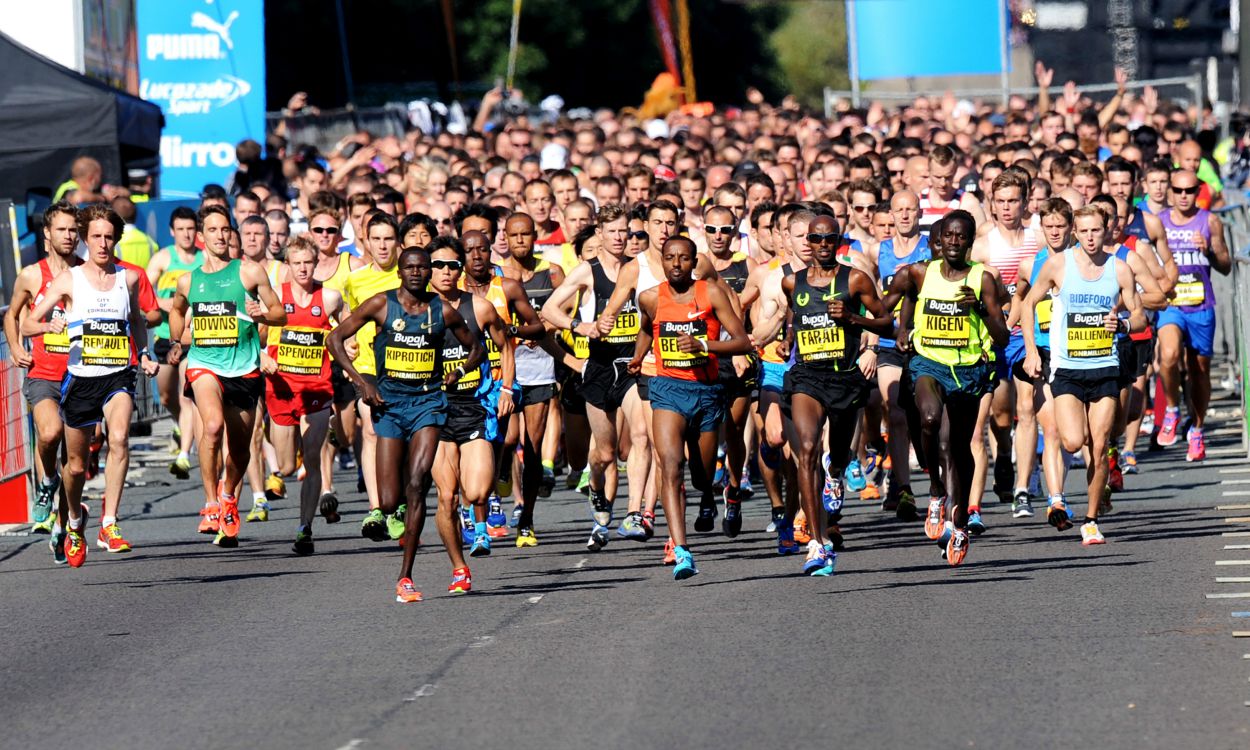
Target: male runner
x=223, y=364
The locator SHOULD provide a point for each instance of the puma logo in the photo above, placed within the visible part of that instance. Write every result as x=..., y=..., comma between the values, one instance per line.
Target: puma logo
x=203, y=21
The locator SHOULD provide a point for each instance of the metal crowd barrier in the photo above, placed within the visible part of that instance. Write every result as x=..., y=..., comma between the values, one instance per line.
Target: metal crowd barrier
x=1236, y=288
x=17, y=443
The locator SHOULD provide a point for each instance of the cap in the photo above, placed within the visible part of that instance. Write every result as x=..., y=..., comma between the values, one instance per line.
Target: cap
x=746, y=169
x=664, y=172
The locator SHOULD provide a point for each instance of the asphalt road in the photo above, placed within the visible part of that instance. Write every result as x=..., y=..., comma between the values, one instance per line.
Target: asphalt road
x=1034, y=642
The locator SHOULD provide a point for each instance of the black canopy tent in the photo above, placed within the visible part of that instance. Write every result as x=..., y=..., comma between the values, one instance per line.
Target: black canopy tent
x=49, y=115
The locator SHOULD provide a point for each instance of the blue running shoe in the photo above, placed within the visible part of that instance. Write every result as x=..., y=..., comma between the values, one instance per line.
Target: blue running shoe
x=828, y=560
x=44, y=495
x=632, y=528
x=745, y=490
x=814, y=560
x=684, y=567
x=976, y=526
x=494, y=512
x=831, y=496
x=854, y=476
x=480, y=546
x=721, y=478
x=516, y=517
x=872, y=461
x=598, y=538
x=785, y=538
x=466, y=525
x=947, y=530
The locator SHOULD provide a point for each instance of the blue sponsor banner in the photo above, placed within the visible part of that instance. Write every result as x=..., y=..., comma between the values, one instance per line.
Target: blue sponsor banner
x=905, y=38
x=203, y=62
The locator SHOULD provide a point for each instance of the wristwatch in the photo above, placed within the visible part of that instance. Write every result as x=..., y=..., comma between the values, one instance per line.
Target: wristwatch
x=512, y=331
x=574, y=322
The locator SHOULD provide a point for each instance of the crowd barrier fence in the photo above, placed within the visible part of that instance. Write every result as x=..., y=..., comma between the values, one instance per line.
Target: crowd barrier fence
x=1236, y=288
x=17, y=444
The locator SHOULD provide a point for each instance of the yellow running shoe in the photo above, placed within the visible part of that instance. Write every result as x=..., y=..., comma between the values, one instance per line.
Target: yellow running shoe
x=275, y=488
x=526, y=538
x=259, y=511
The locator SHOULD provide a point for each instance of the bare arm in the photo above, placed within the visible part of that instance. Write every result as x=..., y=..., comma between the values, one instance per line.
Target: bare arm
x=1221, y=259
x=646, y=311
x=34, y=323
x=18, y=355
x=738, y=342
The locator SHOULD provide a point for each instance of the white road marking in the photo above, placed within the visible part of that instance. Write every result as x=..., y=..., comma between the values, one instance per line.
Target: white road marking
x=1232, y=562
x=352, y=744
x=1237, y=546
x=1233, y=579
x=1241, y=633
x=424, y=691
x=1237, y=481
x=1235, y=493
x=1238, y=519
x=482, y=640
x=582, y=562
x=1235, y=470
x=1239, y=595
x=534, y=599
x=1235, y=533
x=1237, y=506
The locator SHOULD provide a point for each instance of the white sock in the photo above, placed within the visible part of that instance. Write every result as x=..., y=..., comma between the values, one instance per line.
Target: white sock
x=258, y=497
x=75, y=523
x=183, y=456
x=107, y=520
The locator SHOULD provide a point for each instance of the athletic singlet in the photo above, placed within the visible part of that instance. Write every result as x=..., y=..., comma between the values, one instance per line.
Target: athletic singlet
x=50, y=351
x=496, y=296
x=1136, y=226
x=820, y=342
x=736, y=273
x=1006, y=258
x=769, y=352
x=1193, y=286
x=1079, y=340
x=646, y=278
x=362, y=284
x=338, y=280
x=167, y=285
x=618, y=343
x=455, y=355
x=1121, y=251
x=409, y=349
x=1045, y=310
x=299, y=346
x=99, y=326
x=887, y=266
x=534, y=366
x=695, y=318
x=929, y=213
x=224, y=338
x=944, y=331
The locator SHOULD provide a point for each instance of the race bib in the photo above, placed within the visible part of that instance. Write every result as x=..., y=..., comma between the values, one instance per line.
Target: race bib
x=818, y=338
x=625, y=330
x=1045, y=309
x=408, y=357
x=301, y=351
x=105, y=343
x=1087, y=337
x=945, y=325
x=671, y=355
x=1190, y=291
x=215, y=324
x=57, y=343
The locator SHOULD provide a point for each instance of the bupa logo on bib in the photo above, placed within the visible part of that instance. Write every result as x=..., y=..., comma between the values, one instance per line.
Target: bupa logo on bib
x=214, y=308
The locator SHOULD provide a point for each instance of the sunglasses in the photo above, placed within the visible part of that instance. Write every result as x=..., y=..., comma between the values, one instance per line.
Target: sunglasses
x=1186, y=190
x=896, y=171
x=638, y=235
x=862, y=208
x=816, y=238
x=324, y=230
x=727, y=229
x=446, y=265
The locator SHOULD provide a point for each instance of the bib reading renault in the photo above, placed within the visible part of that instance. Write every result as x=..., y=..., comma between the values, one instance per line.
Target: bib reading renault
x=215, y=324
x=105, y=343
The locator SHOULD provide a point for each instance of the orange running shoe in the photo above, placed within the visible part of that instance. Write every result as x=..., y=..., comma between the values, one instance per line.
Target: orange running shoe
x=75, y=549
x=670, y=557
x=230, y=517
x=957, y=547
x=801, y=533
x=210, y=519
x=870, y=493
x=405, y=592
x=935, y=518
x=111, y=540
x=461, y=581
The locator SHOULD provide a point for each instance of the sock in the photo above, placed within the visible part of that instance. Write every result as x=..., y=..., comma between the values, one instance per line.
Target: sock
x=183, y=456
x=1025, y=490
x=57, y=528
x=107, y=520
x=75, y=523
x=1054, y=498
x=479, y=527
x=258, y=497
x=50, y=481
x=549, y=467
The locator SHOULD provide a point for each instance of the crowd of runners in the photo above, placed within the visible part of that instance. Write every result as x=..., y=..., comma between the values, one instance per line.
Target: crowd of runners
x=787, y=308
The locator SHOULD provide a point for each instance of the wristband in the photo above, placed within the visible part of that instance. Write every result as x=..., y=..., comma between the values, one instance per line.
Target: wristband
x=512, y=331
x=703, y=344
x=460, y=371
x=145, y=353
x=574, y=322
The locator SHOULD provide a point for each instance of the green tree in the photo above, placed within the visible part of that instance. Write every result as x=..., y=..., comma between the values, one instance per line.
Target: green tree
x=810, y=48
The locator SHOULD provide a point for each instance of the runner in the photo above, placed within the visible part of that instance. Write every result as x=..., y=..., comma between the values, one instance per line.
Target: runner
x=107, y=339
x=684, y=320
x=408, y=405
x=950, y=316
x=1084, y=366
x=227, y=300
x=826, y=382
x=48, y=358
x=1196, y=238
x=298, y=393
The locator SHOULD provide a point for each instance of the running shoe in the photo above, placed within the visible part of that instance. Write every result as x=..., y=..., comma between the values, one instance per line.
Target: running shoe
x=600, y=509
x=976, y=526
x=831, y=495
x=405, y=592
x=75, y=548
x=275, y=487
x=889, y=503
x=525, y=537
x=870, y=494
x=1115, y=478
x=547, y=484
x=110, y=539
x=814, y=558
x=669, y=557
x=467, y=533
x=1129, y=461
x=957, y=547
x=745, y=490
x=461, y=581
x=93, y=461
x=301, y=473
x=830, y=558
x=303, y=541
x=44, y=495
x=230, y=517
x=935, y=518
x=786, y=543
x=495, y=518
x=632, y=528
x=329, y=507
x=947, y=532
x=706, y=520
x=1167, y=430
x=1021, y=507
x=853, y=474
x=1057, y=514
x=721, y=477
x=731, y=524
x=374, y=525
x=175, y=439
x=683, y=564
x=1090, y=534
x=906, y=510
x=395, y=523
x=802, y=534
x=1197, y=446
x=648, y=523
x=210, y=518
x=57, y=544
x=259, y=511
x=598, y=538
x=872, y=461
x=583, y=482
x=515, y=521
x=480, y=546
